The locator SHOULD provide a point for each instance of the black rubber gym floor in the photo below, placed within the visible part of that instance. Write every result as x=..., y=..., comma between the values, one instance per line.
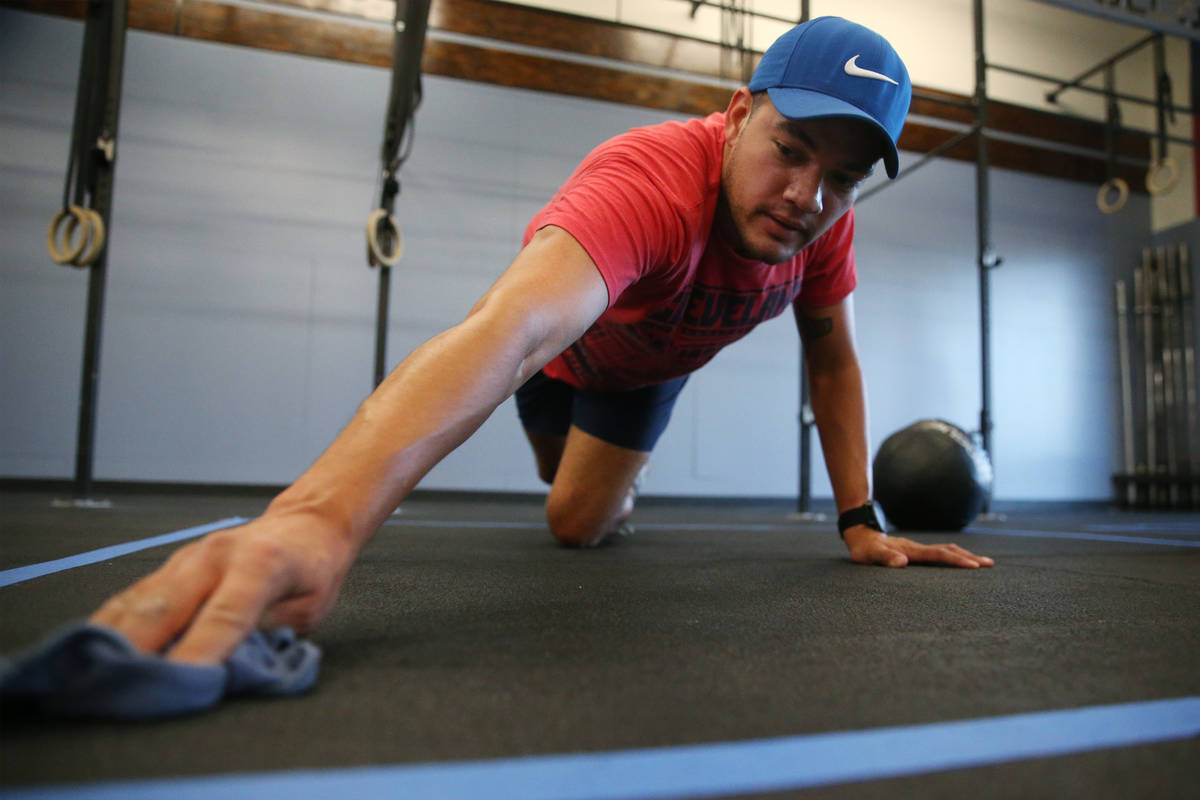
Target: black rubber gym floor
x=464, y=634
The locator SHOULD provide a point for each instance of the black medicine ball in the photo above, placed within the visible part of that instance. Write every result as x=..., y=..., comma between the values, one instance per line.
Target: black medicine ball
x=931, y=476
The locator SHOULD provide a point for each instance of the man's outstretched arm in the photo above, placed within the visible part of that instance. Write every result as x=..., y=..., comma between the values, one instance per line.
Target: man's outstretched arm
x=286, y=567
x=839, y=407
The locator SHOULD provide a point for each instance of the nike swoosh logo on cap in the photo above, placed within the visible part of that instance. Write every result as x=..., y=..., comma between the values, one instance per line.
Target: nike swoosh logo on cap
x=852, y=68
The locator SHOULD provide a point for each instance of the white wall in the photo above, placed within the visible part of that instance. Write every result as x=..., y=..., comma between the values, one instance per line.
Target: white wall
x=240, y=318
x=1053, y=333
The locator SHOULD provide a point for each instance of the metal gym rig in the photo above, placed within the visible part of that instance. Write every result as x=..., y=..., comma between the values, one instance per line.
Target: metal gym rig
x=1159, y=412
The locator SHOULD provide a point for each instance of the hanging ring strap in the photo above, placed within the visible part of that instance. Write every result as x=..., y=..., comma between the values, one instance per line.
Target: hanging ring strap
x=1164, y=172
x=385, y=244
x=58, y=236
x=1104, y=200
x=1162, y=176
x=97, y=238
x=65, y=248
x=1114, y=205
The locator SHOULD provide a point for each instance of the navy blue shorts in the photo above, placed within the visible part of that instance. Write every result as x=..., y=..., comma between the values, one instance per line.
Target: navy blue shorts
x=632, y=419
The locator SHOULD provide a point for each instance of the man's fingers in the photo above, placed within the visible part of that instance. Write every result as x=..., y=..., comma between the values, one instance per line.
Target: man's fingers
x=950, y=554
x=154, y=610
x=233, y=611
x=228, y=617
x=983, y=561
x=880, y=552
x=889, y=554
x=898, y=552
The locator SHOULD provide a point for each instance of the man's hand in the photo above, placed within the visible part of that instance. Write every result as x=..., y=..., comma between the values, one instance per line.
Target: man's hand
x=869, y=546
x=281, y=569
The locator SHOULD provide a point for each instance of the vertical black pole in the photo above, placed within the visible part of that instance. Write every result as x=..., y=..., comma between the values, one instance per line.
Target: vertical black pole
x=804, y=499
x=84, y=450
x=381, y=322
x=804, y=493
x=409, y=24
x=986, y=258
x=106, y=22
x=1162, y=95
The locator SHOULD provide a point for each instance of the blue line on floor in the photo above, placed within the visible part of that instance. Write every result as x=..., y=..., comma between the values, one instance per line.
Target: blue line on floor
x=1178, y=528
x=711, y=770
x=19, y=574
x=760, y=526
x=711, y=526
x=1091, y=537
x=541, y=526
x=473, y=523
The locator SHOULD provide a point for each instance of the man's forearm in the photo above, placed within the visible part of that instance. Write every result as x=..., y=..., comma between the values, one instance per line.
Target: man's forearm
x=445, y=390
x=426, y=407
x=839, y=407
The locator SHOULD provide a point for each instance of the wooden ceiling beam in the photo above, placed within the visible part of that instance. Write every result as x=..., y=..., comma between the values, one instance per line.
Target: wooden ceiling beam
x=337, y=32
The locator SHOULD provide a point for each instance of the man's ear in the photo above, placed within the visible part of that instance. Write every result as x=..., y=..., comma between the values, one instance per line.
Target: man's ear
x=738, y=113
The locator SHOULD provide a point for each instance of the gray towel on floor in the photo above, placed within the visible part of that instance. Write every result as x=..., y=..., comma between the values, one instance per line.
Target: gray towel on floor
x=92, y=671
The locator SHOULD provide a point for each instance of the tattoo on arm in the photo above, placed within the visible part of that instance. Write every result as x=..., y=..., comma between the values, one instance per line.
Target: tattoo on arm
x=816, y=327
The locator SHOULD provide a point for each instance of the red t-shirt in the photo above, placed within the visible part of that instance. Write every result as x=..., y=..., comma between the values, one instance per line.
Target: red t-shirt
x=642, y=206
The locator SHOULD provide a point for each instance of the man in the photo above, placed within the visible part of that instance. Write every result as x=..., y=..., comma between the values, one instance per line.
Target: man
x=666, y=244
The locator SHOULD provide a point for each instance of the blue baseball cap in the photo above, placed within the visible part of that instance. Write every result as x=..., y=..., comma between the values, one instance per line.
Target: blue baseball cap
x=831, y=67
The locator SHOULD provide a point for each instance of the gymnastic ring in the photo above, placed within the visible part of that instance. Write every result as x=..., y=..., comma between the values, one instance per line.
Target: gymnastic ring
x=96, y=239
x=1156, y=185
x=375, y=254
x=74, y=216
x=1122, y=189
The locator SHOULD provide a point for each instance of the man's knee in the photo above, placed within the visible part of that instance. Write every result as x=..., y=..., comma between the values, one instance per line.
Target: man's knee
x=574, y=526
x=583, y=521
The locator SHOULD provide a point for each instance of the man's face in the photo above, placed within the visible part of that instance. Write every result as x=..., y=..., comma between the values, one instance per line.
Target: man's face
x=784, y=182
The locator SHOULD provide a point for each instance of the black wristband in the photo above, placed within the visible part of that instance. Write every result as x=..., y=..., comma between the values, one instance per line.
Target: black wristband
x=863, y=515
